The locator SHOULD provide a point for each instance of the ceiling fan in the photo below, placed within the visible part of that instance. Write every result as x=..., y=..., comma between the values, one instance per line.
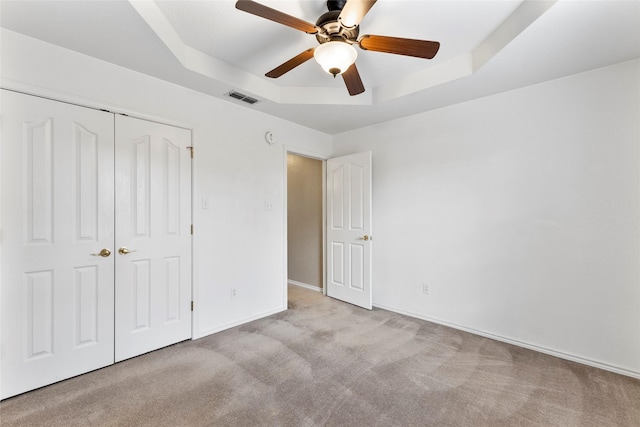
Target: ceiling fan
x=337, y=32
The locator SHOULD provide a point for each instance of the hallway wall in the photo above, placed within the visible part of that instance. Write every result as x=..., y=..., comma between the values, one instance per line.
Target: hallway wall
x=304, y=220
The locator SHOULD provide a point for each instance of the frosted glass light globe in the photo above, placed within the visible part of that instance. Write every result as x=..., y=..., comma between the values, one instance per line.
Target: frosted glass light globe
x=335, y=57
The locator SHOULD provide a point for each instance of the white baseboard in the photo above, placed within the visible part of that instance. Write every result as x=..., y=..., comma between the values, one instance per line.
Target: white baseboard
x=237, y=323
x=304, y=285
x=539, y=349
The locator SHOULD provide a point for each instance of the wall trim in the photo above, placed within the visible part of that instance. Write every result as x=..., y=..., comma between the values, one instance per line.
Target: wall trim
x=539, y=349
x=304, y=285
x=81, y=101
x=239, y=322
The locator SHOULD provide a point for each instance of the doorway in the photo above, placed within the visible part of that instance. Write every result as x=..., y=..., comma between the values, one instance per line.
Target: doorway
x=305, y=219
x=346, y=224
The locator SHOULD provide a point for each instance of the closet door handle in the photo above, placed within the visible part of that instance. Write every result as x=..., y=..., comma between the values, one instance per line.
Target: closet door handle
x=103, y=253
x=125, y=251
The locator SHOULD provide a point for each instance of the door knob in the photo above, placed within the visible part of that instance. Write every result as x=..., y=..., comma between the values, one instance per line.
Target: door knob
x=365, y=237
x=103, y=253
x=124, y=251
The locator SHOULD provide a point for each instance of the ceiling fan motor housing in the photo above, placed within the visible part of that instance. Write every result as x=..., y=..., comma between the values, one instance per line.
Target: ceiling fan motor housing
x=336, y=4
x=333, y=31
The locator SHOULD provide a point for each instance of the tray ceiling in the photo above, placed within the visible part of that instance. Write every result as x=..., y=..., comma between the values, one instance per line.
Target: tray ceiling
x=486, y=47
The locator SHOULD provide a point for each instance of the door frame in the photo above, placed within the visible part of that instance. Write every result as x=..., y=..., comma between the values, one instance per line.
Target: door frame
x=323, y=158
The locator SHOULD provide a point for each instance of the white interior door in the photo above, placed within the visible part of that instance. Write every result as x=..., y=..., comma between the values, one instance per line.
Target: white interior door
x=153, y=222
x=57, y=211
x=349, y=229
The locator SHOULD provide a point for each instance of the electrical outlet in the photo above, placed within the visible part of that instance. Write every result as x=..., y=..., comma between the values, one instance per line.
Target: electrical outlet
x=425, y=289
x=268, y=205
x=233, y=293
x=204, y=203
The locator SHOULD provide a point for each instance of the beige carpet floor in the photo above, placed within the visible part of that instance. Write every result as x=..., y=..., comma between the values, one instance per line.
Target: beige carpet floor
x=327, y=363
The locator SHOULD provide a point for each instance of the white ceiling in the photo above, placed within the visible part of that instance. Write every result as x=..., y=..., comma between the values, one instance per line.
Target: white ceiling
x=487, y=46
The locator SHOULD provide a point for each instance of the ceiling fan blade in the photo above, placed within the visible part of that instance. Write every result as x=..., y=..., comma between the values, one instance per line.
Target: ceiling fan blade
x=262, y=11
x=399, y=46
x=352, y=81
x=353, y=12
x=291, y=64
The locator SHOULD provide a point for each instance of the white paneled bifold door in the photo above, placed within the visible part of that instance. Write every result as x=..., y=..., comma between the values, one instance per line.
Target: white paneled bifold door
x=66, y=277
x=153, y=236
x=57, y=213
x=349, y=228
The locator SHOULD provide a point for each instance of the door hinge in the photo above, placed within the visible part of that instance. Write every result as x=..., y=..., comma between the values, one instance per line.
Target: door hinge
x=190, y=149
x=191, y=305
x=191, y=228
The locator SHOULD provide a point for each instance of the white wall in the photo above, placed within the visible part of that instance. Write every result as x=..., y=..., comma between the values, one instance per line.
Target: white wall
x=237, y=243
x=519, y=210
x=521, y=213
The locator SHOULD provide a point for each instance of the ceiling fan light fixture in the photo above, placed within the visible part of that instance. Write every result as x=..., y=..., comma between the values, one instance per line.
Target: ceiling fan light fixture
x=335, y=57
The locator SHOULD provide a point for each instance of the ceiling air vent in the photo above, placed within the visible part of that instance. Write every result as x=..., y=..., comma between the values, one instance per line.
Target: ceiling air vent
x=242, y=97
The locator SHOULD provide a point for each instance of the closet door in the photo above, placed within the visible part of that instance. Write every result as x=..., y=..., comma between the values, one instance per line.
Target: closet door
x=57, y=217
x=153, y=236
